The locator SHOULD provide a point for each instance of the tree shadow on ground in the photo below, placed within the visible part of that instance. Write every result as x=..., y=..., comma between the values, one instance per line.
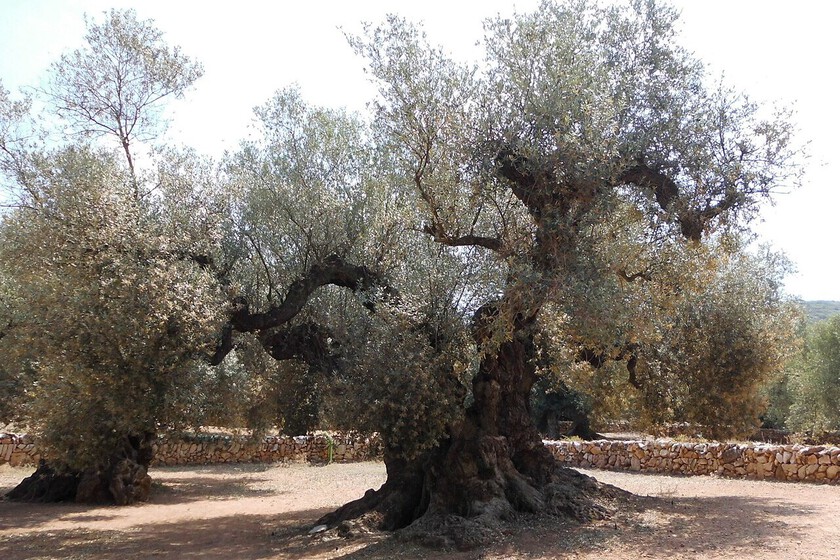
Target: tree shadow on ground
x=682, y=527
x=661, y=527
x=195, y=488
x=215, y=468
x=166, y=491
x=652, y=527
x=245, y=537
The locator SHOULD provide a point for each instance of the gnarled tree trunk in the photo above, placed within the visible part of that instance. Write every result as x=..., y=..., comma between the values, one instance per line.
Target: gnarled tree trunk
x=124, y=480
x=492, y=465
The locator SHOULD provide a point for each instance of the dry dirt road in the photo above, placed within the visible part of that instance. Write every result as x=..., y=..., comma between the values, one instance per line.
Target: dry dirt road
x=263, y=512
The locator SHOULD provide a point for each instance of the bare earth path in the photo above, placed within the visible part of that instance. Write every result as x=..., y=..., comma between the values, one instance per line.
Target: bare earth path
x=262, y=511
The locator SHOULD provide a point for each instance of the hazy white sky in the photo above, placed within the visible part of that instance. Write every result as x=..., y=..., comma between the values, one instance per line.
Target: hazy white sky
x=773, y=49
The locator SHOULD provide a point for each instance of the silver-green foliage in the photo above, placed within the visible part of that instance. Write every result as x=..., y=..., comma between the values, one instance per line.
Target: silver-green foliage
x=112, y=306
x=814, y=380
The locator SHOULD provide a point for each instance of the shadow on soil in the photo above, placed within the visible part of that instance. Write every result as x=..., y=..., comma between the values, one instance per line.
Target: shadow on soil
x=679, y=527
x=246, y=537
x=197, y=484
x=659, y=527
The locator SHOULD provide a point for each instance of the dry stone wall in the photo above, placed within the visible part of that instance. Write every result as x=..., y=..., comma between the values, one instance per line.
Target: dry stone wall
x=759, y=461
x=204, y=449
x=20, y=450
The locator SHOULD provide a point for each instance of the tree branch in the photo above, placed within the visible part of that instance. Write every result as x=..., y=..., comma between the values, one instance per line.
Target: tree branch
x=524, y=182
x=667, y=193
x=663, y=187
x=635, y=276
x=598, y=359
x=307, y=342
x=440, y=236
x=332, y=271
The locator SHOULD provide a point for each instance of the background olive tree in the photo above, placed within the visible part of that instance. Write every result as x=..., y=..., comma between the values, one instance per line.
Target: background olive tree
x=115, y=288
x=812, y=393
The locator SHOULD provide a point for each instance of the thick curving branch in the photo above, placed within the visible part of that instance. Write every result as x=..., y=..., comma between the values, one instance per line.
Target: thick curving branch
x=332, y=271
x=692, y=222
x=526, y=184
x=666, y=191
x=597, y=359
x=307, y=342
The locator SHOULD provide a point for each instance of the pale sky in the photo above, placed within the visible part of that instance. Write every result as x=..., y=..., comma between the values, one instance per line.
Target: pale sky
x=773, y=49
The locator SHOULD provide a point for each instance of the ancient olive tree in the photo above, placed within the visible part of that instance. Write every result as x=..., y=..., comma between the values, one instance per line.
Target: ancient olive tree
x=112, y=268
x=584, y=127
x=113, y=303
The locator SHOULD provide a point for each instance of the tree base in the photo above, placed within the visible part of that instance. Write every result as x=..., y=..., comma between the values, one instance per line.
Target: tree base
x=124, y=481
x=45, y=485
x=569, y=494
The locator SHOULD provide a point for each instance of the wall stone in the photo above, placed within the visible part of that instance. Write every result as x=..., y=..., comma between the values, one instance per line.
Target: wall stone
x=811, y=463
x=18, y=450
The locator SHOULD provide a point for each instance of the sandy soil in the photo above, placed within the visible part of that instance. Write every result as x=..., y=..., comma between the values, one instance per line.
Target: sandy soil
x=264, y=511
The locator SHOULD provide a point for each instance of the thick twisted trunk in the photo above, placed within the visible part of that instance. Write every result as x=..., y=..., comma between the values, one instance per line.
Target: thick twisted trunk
x=124, y=480
x=492, y=466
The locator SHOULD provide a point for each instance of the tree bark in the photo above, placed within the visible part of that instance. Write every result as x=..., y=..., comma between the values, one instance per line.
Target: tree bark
x=123, y=481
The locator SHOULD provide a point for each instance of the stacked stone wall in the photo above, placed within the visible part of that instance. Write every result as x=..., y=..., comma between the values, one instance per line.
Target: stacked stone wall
x=811, y=463
x=201, y=449
x=207, y=449
x=18, y=450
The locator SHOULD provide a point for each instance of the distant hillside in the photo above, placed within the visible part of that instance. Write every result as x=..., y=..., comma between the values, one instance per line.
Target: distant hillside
x=819, y=310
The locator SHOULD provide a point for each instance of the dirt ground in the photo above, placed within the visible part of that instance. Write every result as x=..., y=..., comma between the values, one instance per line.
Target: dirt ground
x=264, y=511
